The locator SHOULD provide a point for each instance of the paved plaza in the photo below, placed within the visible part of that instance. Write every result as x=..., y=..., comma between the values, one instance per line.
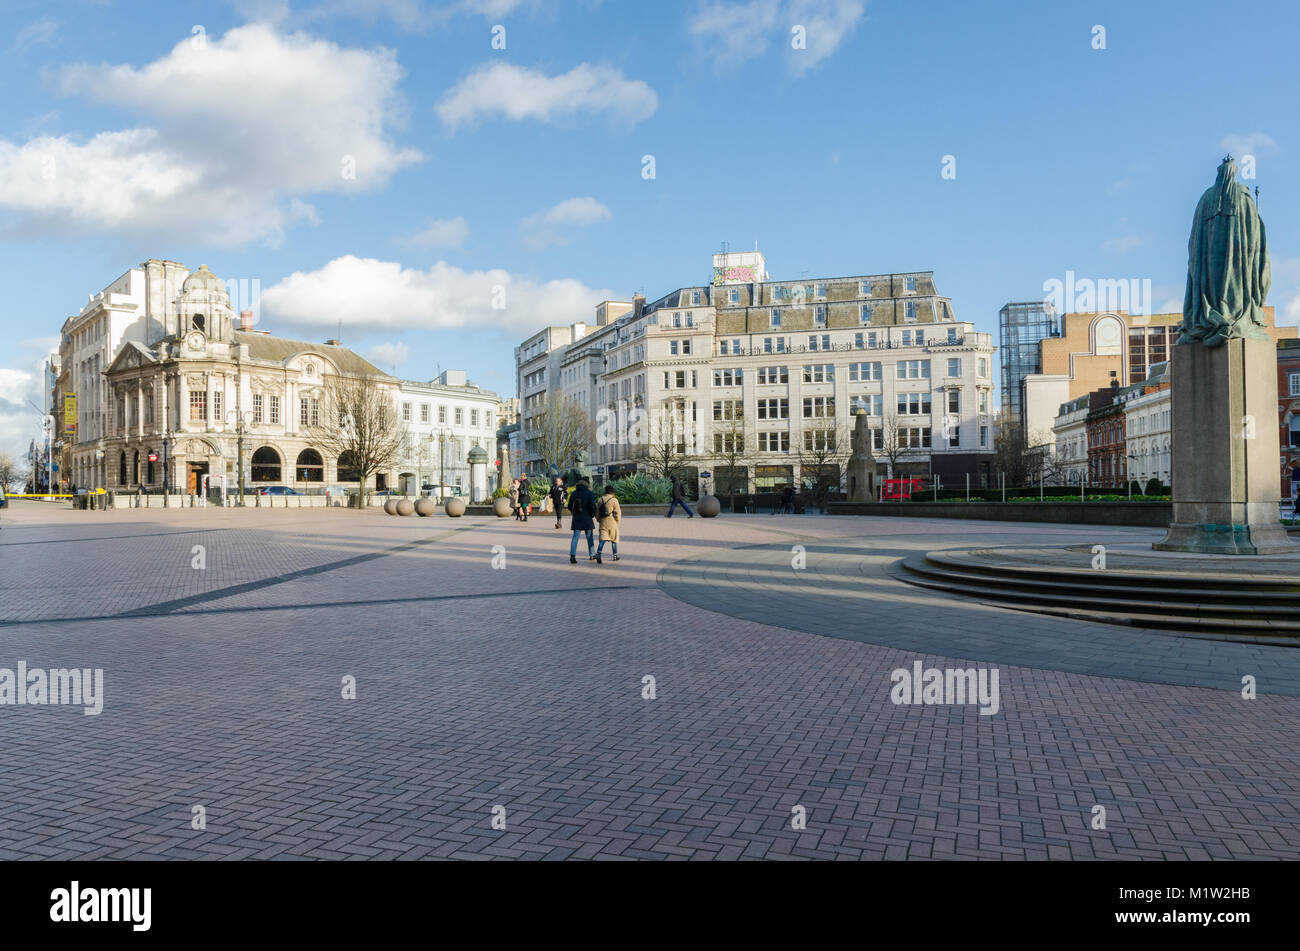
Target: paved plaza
x=522, y=687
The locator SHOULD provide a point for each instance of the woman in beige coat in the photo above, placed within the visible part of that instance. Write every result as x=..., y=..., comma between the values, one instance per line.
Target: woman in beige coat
x=609, y=515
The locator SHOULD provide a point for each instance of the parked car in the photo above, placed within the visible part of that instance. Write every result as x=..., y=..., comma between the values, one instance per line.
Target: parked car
x=277, y=490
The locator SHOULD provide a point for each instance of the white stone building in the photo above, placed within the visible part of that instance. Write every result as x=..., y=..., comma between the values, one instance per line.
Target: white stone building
x=442, y=421
x=1071, y=431
x=1147, y=434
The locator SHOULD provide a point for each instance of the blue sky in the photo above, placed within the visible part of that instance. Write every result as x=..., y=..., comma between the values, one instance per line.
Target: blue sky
x=223, y=133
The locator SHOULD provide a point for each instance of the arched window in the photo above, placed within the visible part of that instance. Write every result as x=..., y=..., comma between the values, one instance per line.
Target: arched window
x=135, y=468
x=349, y=470
x=121, y=470
x=310, y=467
x=266, y=465
x=199, y=323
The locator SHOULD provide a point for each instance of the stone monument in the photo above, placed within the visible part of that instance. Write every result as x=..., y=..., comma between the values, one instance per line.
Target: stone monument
x=1224, y=383
x=862, y=464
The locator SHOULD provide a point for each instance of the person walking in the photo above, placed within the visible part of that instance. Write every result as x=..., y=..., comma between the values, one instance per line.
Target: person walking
x=608, y=515
x=514, y=498
x=786, y=505
x=525, y=499
x=557, y=502
x=679, y=498
x=583, y=506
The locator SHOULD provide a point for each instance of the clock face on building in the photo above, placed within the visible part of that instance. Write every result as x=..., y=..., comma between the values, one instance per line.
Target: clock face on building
x=195, y=341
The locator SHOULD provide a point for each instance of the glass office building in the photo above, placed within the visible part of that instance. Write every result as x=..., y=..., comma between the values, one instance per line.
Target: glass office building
x=1022, y=326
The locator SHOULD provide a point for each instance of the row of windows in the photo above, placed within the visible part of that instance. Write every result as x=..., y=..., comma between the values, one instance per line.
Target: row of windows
x=825, y=372
x=909, y=437
x=459, y=415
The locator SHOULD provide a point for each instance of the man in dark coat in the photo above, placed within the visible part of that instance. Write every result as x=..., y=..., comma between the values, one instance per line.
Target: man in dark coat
x=679, y=498
x=583, y=506
x=525, y=500
x=557, y=501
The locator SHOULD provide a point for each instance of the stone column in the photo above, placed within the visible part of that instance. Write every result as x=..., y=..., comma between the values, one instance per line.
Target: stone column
x=1225, y=450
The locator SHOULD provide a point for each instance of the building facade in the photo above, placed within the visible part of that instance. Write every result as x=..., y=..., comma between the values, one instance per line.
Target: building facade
x=1288, y=409
x=1107, y=455
x=1022, y=326
x=1147, y=418
x=183, y=409
x=442, y=420
x=1071, y=432
x=754, y=379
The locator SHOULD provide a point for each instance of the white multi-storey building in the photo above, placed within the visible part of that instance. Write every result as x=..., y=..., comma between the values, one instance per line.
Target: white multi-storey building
x=777, y=368
x=442, y=421
x=1071, y=431
x=1147, y=407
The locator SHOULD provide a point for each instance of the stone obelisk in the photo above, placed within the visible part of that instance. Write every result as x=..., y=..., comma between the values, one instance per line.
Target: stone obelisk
x=1224, y=386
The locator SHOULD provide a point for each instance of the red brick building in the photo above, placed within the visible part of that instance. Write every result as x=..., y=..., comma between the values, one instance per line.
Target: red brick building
x=1107, y=464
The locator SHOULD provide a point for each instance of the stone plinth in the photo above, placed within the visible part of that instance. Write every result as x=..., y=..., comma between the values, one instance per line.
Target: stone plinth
x=1225, y=450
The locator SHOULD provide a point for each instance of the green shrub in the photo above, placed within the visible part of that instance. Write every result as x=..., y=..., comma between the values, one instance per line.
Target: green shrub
x=638, y=489
x=501, y=493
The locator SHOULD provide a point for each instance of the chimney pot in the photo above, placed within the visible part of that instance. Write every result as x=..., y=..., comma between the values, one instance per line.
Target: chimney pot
x=245, y=320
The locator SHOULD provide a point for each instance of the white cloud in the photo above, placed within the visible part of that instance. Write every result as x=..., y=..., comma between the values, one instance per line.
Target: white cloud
x=389, y=355
x=365, y=292
x=733, y=32
x=20, y=382
x=238, y=127
x=549, y=228
x=443, y=233
x=40, y=32
x=519, y=93
x=1124, y=244
x=1247, y=143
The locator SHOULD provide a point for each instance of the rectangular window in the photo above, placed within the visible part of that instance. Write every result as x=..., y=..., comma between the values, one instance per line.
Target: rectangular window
x=733, y=296
x=864, y=288
x=406, y=412
x=910, y=284
x=728, y=410
x=686, y=348
x=679, y=379
x=672, y=348
x=819, y=440
x=216, y=406
x=728, y=442
x=909, y=310
x=729, y=377
x=198, y=406
x=877, y=439
x=776, y=318
x=954, y=402
x=872, y=403
x=819, y=373
x=473, y=417
x=954, y=366
x=275, y=410
x=677, y=319
x=984, y=369
x=774, y=442
x=424, y=412
x=769, y=375
x=695, y=297
x=819, y=315
x=914, y=369
x=774, y=409
x=872, y=340
x=258, y=407
x=863, y=372
x=954, y=436
x=864, y=313
x=819, y=407
x=984, y=401
x=984, y=436
x=913, y=404
x=460, y=416
x=1294, y=380
x=442, y=416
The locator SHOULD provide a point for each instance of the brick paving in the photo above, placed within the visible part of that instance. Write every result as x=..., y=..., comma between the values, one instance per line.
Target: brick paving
x=521, y=688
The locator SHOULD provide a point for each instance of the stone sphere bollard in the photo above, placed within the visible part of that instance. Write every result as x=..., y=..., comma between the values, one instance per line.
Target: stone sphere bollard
x=709, y=506
x=502, y=507
x=390, y=506
x=405, y=507
x=455, y=507
x=425, y=507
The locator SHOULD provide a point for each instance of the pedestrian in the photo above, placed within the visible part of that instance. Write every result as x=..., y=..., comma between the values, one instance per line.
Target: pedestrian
x=787, y=500
x=514, y=498
x=608, y=515
x=679, y=498
x=583, y=506
x=557, y=501
x=525, y=499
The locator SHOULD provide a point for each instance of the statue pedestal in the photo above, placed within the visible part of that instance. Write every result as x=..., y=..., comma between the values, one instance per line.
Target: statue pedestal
x=1225, y=450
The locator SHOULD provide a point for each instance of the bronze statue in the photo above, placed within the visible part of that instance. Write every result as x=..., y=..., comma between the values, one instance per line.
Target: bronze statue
x=1227, y=265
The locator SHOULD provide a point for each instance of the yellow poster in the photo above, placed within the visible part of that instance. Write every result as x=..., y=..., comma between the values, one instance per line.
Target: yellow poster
x=69, y=412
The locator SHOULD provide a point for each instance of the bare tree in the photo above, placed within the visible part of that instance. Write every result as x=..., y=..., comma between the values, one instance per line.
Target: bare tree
x=895, y=444
x=562, y=431
x=822, y=457
x=668, y=445
x=1011, y=454
x=11, y=472
x=731, y=452
x=359, y=423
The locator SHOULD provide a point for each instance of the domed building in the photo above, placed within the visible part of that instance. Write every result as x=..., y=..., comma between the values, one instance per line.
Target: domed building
x=183, y=409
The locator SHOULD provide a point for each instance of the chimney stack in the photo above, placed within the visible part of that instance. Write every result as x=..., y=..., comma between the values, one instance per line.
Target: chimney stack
x=245, y=320
x=638, y=305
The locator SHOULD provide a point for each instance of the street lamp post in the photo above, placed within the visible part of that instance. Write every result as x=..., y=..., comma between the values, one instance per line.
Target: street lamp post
x=242, y=422
x=167, y=469
x=443, y=433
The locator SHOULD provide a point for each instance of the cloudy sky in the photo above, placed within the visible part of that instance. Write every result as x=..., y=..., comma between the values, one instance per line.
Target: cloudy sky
x=387, y=170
